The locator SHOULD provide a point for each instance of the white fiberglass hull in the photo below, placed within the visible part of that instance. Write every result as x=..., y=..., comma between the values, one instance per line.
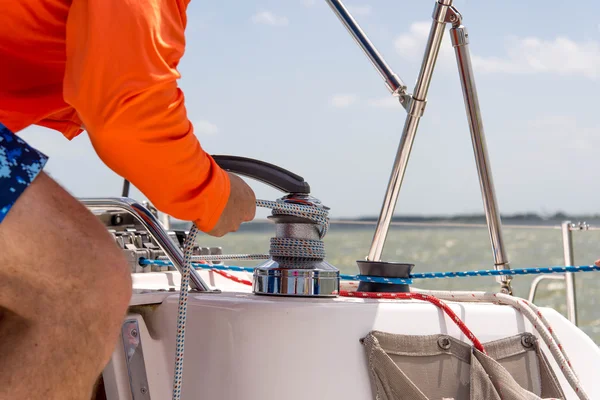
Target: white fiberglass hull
x=243, y=346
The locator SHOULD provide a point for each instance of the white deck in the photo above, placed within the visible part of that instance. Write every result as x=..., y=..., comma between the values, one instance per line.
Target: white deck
x=243, y=346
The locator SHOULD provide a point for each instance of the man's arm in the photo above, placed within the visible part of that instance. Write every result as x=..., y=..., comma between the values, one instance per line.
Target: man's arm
x=122, y=58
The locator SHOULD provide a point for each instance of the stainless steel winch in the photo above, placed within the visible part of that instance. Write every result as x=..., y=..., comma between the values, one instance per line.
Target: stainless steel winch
x=297, y=275
x=297, y=266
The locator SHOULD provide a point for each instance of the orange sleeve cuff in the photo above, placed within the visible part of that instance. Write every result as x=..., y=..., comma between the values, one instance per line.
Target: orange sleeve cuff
x=217, y=189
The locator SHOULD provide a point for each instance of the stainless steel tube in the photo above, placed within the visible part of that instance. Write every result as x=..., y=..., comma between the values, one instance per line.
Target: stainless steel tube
x=536, y=282
x=393, y=82
x=154, y=228
x=567, y=236
x=461, y=46
x=415, y=112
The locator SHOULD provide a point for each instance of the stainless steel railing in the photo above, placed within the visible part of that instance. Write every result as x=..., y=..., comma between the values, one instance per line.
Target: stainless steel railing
x=152, y=226
x=567, y=228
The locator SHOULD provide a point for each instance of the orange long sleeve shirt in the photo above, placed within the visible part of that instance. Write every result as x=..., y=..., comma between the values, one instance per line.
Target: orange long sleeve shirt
x=110, y=67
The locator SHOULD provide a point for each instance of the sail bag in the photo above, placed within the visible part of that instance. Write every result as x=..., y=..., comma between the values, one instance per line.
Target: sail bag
x=440, y=367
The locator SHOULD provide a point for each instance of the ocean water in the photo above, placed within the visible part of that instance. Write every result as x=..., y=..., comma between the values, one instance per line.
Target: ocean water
x=457, y=249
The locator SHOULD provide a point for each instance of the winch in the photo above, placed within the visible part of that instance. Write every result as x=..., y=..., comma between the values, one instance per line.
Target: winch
x=297, y=265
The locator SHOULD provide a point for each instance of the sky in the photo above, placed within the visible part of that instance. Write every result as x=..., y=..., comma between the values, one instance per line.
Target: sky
x=282, y=81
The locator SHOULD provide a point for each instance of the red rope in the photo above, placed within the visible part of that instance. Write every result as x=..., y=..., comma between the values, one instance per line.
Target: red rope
x=233, y=278
x=420, y=296
x=376, y=295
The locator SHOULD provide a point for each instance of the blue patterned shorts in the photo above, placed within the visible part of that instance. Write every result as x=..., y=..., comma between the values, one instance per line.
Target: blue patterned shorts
x=19, y=165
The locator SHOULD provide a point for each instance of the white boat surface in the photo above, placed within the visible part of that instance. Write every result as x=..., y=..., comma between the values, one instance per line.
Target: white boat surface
x=292, y=329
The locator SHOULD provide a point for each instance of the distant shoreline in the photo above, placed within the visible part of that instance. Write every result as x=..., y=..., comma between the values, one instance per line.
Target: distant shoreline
x=460, y=220
x=528, y=218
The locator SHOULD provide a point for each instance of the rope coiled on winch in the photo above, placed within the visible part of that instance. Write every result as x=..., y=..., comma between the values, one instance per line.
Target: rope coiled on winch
x=316, y=214
x=295, y=247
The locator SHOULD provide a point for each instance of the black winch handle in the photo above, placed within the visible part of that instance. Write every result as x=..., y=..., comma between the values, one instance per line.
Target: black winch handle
x=270, y=174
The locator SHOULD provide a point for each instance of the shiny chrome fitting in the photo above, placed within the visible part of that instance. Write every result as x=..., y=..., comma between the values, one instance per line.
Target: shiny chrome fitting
x=460, y=36
x=405, y=100
x=443, y=12
x=303, y=199
x=273, y=277
x=398, y=88
x=417, y=107
x=439, y=12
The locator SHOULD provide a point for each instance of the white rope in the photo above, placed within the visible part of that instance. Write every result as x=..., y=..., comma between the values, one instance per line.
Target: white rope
x=182, y=311
x=536, y=318
x=313, y=213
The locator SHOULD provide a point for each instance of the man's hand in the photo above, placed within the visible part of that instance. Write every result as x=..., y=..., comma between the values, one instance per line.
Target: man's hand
x=597, y=263
x=241, y=207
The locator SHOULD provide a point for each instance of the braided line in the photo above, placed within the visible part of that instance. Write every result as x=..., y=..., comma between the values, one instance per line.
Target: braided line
x=537, y=311
x=299, y=248
x=517, y=271
x=233, y=278
x=347, y=277
x=182, y=312
x=220, y=257
x=315, y=214
x=163, y=261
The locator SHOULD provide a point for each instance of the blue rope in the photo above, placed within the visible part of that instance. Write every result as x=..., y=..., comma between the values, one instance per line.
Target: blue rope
x=401, y=281
x=516, y=271
x=163, y=263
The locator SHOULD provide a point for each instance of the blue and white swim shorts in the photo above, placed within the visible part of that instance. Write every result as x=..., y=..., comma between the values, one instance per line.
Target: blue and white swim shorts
x=19, y=165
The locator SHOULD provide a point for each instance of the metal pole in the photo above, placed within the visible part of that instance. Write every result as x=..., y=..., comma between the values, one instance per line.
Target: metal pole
x=567, y=236
x=125, y=191
x=461, y=46
x=392, y=81
x=415, y=112
x=165, y=219
x=154, y=228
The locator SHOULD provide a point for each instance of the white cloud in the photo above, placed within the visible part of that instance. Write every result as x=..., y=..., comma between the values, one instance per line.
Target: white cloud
x=362, y=10
x=560, y=56
x=343, y=100
x=522, y=55
x=268, y=18
x=205, y=128
x=411, y=45
x=385, y=102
